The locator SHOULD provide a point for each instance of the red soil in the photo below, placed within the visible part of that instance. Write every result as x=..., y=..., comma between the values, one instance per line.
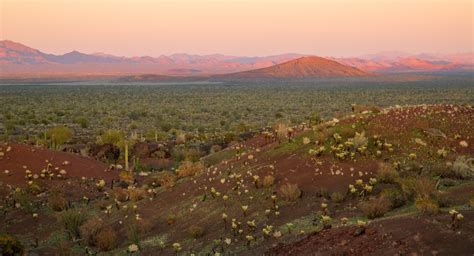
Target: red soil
x=397, y=236
x=23, y=157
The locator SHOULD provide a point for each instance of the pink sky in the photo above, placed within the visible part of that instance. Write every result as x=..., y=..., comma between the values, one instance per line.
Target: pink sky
x=239, y=27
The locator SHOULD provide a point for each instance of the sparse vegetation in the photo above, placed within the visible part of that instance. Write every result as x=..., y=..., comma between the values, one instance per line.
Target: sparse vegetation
x=290, y=192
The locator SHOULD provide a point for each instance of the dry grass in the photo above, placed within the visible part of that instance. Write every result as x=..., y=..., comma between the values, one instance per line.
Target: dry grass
x=136, y=194
x=188, y=168
x=375, y=207
x=106, y=239
x=290, y=192
x=120, y=194
x=164, y=179
x=268, y=181
x=337, y=197
x=419, y=188
x=90, y=229
x=395, y=197
x=387, y=173
x=57, y=202
x=72, y=220
x=427, y=206
x=196, y=231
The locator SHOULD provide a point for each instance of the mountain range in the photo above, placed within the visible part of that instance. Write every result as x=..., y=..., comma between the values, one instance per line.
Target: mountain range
x=18, y=60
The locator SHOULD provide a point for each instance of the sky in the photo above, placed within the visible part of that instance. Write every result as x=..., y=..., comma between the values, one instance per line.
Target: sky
x=240, y=27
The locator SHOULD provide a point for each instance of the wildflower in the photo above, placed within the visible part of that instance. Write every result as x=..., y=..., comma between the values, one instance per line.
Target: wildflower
x=251, y=224
x=244, y=209
x=463, y=144
x=359, y=182
x=361, y=223
x=177, y=247
x=277, y=234
x=372, y=181
x=133, y=248
x=344, y=220
x=224, y=216
x=325, y=219
x=306, y=140
x=267, y=212
x=324, y=205
x=368, y=188
x=228, y=241
x=35, y=215
x=100, y=185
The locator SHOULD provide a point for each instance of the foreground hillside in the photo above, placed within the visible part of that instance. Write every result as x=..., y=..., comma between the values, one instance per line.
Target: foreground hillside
x=398, y=180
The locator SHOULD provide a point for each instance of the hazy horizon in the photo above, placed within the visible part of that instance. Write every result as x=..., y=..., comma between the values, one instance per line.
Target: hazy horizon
x=340, y=28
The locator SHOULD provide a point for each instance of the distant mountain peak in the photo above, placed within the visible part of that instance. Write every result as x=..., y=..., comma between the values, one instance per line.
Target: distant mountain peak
x=304, y=67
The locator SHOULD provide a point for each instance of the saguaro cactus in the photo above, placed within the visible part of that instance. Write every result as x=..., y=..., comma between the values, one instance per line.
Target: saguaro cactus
x=126, y=156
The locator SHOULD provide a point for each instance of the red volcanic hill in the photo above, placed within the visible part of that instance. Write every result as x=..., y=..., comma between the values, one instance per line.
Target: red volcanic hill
x=305, y=67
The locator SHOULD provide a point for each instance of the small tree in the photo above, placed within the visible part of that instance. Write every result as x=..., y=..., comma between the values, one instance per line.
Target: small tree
x=59, y=135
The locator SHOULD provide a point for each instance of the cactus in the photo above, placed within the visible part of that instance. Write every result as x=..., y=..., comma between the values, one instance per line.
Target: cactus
x=126, y=156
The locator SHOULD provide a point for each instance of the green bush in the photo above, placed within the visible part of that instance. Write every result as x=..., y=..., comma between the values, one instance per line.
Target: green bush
x=59, y=135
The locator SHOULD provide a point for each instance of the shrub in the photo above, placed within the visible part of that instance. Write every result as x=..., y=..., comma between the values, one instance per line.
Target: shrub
x=136, y=194
x=323, y=192
x=282, y=132
x=71, y=220
x=188, y=168
x=196, y=231
x=410, y=168
x=394, y=196
x=90, y=229
x=126, y=176
x=114, y=137
x=419, y=188
x=386, y=173
x=165, y=179
x=290, y=192
x=337, y=197
x=427, y=206
x=346, y=132
x=375, y=207
x=59, y=135
x=136, y=229
x=120, y=194
x=106, y=239
x=9, y=245
x=444, y=200
x=359, y=140
x=268, y=181
x=57, y=202
x=463, y=167
x=25, y=200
